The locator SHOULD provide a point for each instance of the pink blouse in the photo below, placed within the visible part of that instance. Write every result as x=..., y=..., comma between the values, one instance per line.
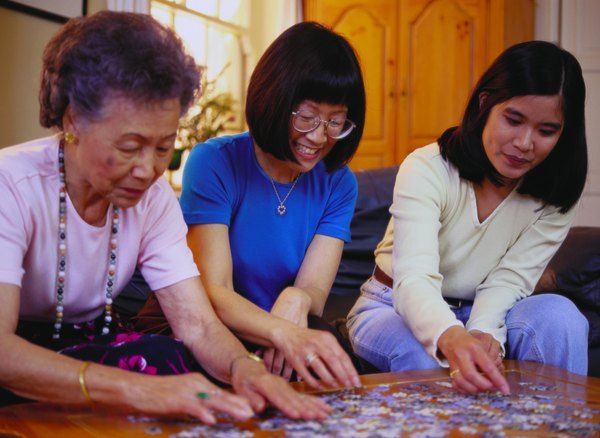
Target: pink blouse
x=152, y=235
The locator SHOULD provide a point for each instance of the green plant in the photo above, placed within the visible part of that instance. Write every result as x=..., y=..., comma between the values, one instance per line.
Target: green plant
x=208, y=117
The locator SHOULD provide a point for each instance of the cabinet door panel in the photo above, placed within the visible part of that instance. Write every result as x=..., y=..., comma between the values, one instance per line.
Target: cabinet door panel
x=438, y=54
x=371, y=28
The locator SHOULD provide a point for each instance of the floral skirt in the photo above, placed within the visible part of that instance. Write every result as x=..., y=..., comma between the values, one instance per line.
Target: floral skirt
x=122, y=348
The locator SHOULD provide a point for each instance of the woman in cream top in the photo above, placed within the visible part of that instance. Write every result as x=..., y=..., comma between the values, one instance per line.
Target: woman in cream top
x=476, y=217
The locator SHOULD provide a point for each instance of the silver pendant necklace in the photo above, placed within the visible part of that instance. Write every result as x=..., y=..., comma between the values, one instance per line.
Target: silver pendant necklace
x=281, y=208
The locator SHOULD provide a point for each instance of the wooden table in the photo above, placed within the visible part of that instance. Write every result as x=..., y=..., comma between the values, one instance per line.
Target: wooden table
x=45, y=420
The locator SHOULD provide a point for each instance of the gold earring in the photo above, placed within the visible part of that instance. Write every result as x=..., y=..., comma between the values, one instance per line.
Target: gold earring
x=70, y=138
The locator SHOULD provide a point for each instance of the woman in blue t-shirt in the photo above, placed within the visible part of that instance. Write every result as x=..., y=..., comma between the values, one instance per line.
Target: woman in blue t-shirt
x=269, y=211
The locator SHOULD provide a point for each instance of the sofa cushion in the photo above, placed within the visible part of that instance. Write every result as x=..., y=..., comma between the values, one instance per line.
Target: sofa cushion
x=579, y=246
x=371, y=216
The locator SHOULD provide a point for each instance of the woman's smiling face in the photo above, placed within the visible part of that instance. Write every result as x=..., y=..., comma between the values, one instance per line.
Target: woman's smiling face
x=521, y=132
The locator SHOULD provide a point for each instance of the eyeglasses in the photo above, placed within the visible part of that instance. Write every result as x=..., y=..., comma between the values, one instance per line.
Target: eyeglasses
x=335, y=128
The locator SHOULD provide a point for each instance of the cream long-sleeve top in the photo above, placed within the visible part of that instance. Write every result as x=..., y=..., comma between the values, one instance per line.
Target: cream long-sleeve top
x=435, y=247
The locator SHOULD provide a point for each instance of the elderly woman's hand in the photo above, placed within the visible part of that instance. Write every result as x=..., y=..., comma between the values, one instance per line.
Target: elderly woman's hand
x=317, y=351
x=187, y=394
x=471, y=368
x=252, y=380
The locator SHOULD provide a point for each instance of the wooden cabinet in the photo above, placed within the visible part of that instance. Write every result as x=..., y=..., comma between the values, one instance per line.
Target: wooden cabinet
x=420, y=60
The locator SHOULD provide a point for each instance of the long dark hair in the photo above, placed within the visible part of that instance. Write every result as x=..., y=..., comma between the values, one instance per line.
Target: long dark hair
x=530, y=68
x=307, y=61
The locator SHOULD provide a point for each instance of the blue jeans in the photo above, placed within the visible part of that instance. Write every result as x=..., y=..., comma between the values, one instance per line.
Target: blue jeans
x=544, y=328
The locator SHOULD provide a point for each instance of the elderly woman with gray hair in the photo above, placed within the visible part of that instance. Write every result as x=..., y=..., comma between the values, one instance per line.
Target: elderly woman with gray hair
x=81, y=209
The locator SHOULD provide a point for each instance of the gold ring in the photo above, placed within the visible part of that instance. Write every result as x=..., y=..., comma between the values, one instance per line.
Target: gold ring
x=454, y=373
x=310, y=358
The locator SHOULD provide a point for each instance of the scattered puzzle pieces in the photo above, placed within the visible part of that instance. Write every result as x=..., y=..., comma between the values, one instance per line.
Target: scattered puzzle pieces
x=417, y=410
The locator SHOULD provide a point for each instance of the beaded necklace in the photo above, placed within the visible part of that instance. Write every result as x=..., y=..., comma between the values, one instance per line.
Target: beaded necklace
x=62, y=253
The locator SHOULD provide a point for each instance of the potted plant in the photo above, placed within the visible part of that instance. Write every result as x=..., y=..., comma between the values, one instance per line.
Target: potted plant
x=209, y=116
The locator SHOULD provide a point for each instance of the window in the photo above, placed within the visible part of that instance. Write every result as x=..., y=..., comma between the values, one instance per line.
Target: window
x=215, y=32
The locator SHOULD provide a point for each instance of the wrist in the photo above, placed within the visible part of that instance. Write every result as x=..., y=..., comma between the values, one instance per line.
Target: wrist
x=82, y=383
x=448, y=337
x=294, y=296
x=279, y=335
x=247, y=356
x=109, y=386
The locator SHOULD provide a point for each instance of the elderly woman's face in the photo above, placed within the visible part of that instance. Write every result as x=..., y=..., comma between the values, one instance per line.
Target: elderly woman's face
x=127, y=149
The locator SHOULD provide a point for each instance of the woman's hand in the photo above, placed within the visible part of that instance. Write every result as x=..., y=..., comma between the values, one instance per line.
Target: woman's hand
x=252, y=380
x=471, y=367
x=293, y=305
x=186, y=394
x=491, y=345
x=317, y=351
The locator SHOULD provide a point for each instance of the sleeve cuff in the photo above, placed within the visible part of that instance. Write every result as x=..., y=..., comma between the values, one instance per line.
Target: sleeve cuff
x=343, y=235
x=168, y=280
x=432, y=349
x=12, y=276
x=204, y=218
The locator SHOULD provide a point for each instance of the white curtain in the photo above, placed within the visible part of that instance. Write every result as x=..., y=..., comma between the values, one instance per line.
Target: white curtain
x=139, y=6
x=291, y=13
x=299, y=11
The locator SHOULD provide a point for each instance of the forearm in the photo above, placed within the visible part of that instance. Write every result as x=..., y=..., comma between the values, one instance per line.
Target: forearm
x=37, y=373
x=216, y=349
x=194, y=321
x=424, y=311
x=244, y=318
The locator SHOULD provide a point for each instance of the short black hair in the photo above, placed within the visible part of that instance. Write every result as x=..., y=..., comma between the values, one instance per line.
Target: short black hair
x=530, y=68
x=113, y=52
x=306, y=62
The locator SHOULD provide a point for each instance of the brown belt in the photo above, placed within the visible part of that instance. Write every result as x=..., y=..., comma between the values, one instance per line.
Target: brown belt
x=382, y=277
x=386, y=280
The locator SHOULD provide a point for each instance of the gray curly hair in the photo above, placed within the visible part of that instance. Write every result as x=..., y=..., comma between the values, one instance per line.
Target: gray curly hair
x=130, y=54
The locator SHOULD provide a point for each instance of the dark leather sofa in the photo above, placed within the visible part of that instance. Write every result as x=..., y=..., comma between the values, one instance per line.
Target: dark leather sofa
x=574, y=271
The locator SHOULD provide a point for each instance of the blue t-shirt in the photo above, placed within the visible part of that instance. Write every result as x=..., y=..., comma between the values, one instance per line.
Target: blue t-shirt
x=224, y=184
